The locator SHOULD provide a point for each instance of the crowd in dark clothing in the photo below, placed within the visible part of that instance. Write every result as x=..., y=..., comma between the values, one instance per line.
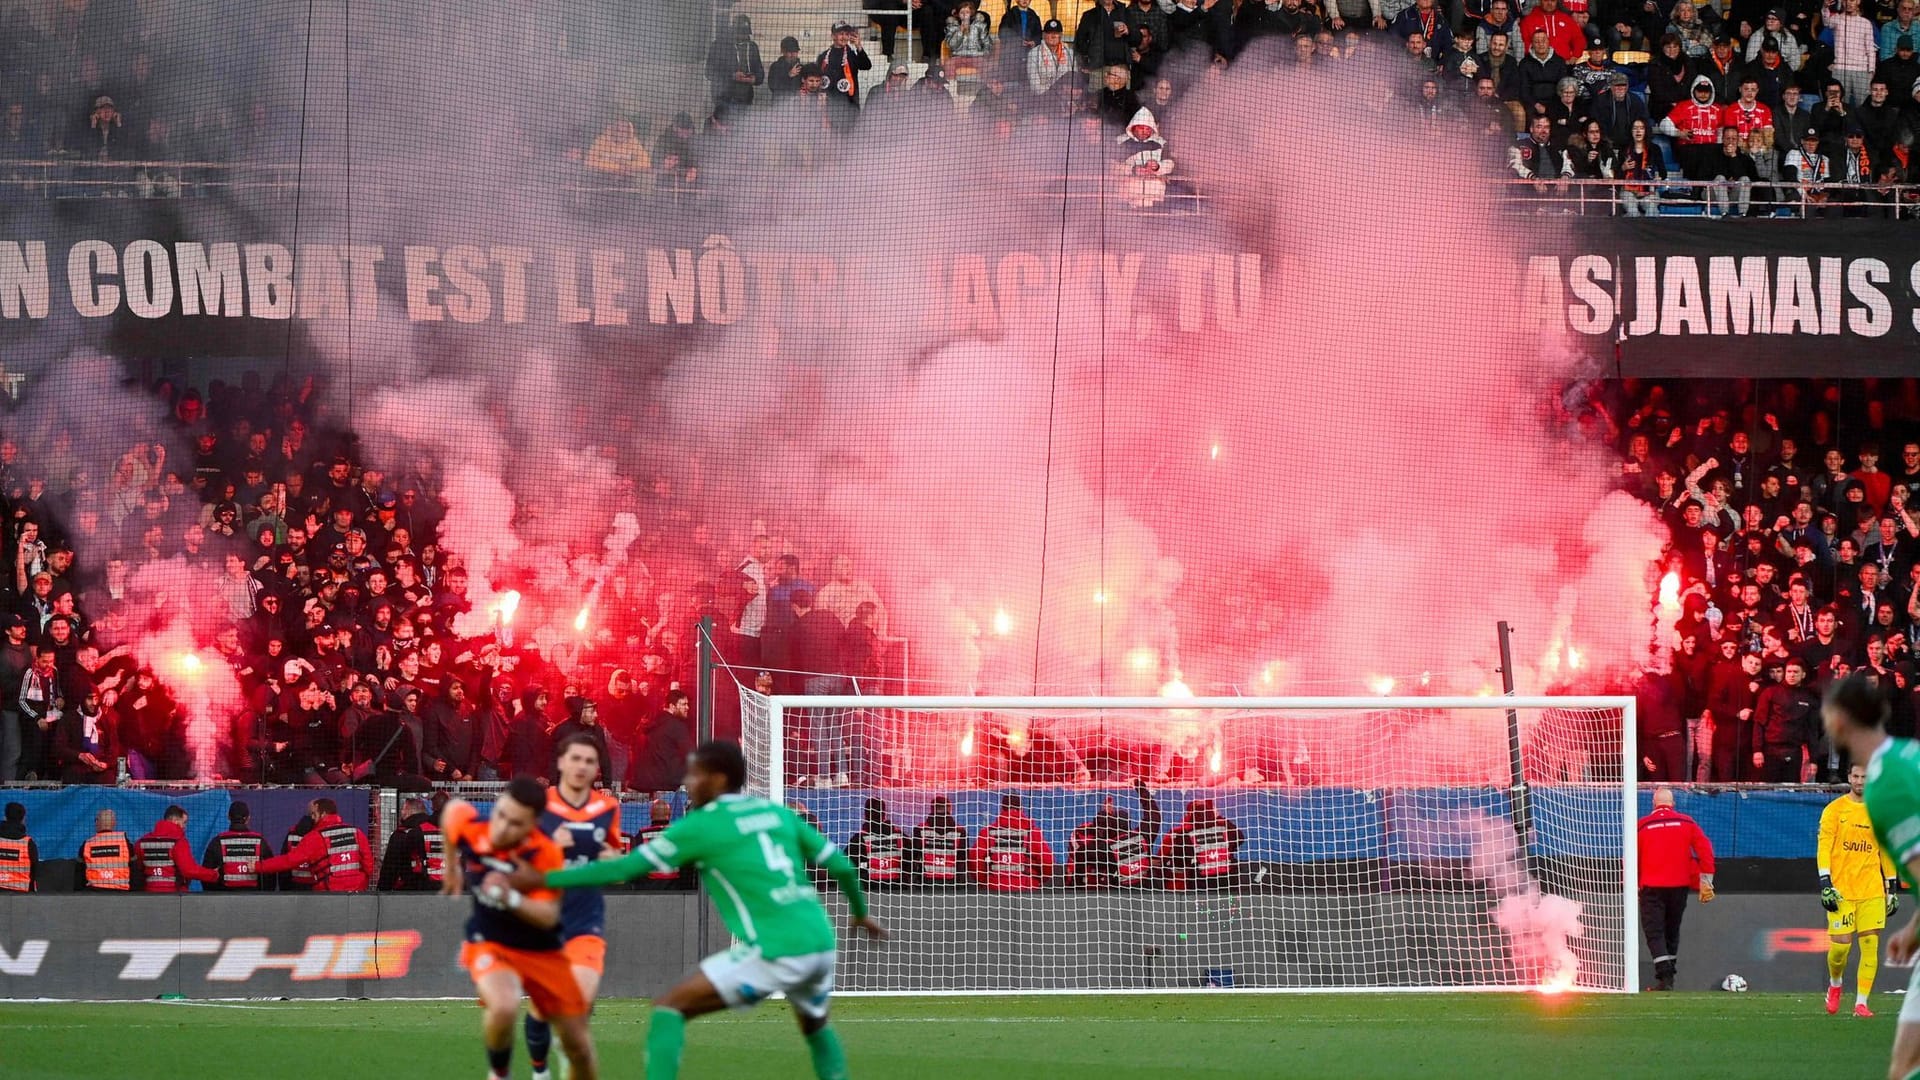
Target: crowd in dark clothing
x=1795, y=559
x=134, y=584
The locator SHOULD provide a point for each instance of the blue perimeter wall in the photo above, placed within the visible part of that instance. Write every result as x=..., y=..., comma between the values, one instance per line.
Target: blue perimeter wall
x=1298, y=825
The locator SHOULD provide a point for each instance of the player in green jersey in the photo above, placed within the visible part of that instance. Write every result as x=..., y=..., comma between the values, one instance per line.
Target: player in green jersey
x=750, y=853
x=1855, y=714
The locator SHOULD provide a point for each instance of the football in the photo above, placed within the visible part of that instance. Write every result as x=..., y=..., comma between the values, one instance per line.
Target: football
x=1734, y=983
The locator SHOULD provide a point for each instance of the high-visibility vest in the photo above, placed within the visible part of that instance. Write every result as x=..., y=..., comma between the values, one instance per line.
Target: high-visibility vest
x=1130, y=859
x=883, y=857
x=107, y=860
x=1212, y=854
x=940, y=853
x=158, y=874
x=240, y=855
x=1009, y=863
x=343, y=858
x=301, y=877
x=16, y=865
x=430, y=858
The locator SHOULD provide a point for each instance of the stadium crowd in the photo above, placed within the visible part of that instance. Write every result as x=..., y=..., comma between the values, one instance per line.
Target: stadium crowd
x=321, y=585
x=1795, y=559
x=1732, y=106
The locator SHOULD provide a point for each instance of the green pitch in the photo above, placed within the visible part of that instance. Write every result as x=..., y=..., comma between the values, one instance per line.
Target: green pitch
x=1426, y=1036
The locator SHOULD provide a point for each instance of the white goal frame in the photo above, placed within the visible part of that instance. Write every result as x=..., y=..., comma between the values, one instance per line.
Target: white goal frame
x=777, y=705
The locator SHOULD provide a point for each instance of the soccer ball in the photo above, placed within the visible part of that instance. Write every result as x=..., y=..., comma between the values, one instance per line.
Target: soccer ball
x=1734, y=983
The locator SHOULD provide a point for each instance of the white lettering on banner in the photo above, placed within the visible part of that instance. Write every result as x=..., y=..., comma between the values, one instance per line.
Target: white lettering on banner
x=1682, y=309
x=1590, y=279
x=150, y=959
x=1739, y=298
x=1543, y=295
x=1646, y=306
x=387, y=954
x=566, y=288
x=608, y=284
x=86, y=262
x=1830, y=284
x=670, y=287
x=1795, y=310
x=25, y=962
x=269, y=281
x=149, y=280
x=245, y=956
x=471, y=301
x=1873, y=317
x=209, y=279
x=513, y=282
x=24, y=286
x=422, y=283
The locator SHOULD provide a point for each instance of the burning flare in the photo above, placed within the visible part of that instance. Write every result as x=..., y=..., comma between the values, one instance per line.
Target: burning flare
x=505, y=605
x=1002, y=622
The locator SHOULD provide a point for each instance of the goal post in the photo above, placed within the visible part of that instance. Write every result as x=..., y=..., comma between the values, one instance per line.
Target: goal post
x=1279, y=844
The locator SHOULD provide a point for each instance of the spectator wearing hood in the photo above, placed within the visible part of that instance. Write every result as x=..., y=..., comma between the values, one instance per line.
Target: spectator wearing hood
x=1142, y=164
x=879, y=849
x=529, y=738
x=939, y=849
x=1694, y=125
x=1011, y=854
x=1108, y=851
x=733, y=65
x=452, y=746
x=1199, y=852
x=583, y=719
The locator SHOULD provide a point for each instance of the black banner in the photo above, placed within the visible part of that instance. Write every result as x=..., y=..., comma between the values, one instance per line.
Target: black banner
x=1697, y=298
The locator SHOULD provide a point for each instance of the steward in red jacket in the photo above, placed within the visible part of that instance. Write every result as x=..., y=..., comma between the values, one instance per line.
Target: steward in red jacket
x=1011, y=855
x=335, y=852
x=164, y=858
x=235, y=855
x=1675, y=858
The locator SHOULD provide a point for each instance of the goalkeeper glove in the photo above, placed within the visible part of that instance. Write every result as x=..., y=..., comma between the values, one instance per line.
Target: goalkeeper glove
x=1829, y=896
x=1893, y=896
x=1706, y=889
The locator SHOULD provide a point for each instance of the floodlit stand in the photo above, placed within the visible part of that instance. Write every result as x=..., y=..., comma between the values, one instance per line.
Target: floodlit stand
x=1377, y=849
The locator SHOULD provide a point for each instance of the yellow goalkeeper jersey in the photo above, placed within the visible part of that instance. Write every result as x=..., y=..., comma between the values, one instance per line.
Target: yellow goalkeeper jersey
x=1849, y=854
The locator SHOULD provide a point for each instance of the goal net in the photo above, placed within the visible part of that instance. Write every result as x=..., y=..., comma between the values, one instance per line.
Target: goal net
x=1115, y=845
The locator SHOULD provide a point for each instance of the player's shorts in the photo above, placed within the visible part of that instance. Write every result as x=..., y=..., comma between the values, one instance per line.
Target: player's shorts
x=547, y=977
x=745, y=979
x=1867, y=916
x=587, y=951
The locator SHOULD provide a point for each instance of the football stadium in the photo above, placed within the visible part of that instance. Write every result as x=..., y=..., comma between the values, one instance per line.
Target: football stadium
x=959, y=538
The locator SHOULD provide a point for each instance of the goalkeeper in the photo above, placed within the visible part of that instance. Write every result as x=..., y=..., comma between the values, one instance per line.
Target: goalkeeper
x=1855, y=716
x=750, y=853
x=1858, y=887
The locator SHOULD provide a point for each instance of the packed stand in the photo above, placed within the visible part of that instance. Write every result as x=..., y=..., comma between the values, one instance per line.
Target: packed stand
x=1795, y=559
x=355, y=651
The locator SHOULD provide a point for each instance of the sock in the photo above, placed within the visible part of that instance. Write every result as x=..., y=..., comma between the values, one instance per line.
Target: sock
x=829, y=1060
x=666, y=1037
x=539, y=1041
x=1837, y=961
x=500, y=1061
x=1869, y=964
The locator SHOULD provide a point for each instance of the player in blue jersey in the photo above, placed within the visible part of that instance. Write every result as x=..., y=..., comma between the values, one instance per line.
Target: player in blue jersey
x=585, y=825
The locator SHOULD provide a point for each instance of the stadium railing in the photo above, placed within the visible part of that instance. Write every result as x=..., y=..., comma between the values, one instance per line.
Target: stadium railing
x=1685, y=198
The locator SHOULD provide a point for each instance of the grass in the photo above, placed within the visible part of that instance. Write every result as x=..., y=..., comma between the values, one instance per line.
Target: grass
x=1432, y=1035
